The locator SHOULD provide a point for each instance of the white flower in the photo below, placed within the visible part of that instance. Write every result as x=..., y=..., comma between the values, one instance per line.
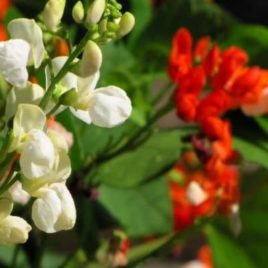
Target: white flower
x=27, y=118
x=57, y=171
x=31, y=93
x=13, y=230
x=54, y=209
x=14, y=56
x=29, y=31
x=37, y=156
x=195, y=194
x=25, y=48
x=105, y=107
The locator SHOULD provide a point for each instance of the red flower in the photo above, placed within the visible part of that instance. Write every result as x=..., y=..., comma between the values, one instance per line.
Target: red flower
x=4, y=5
x=180, y=59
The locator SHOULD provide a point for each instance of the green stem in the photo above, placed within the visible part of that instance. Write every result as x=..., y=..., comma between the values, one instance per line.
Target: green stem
x=15, y=256
x=8, y=183
x=64, y=70
x=53, y=110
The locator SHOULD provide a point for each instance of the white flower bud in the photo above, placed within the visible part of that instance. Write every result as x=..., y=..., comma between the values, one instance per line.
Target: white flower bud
x=14, y=230
x=78, y=12
x=195, y=194
x=37, y=156
x=91, y=60
x=54, y=210
x=95, y=11
x=126, y=24
x=53, y=13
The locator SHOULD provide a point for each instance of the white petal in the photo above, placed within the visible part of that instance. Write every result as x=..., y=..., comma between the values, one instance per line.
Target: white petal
x=14, y=230
x=18, y=195
x=195, y=194
x=14, y=55
x=37, y=157
x=46, y=210
x=63, y=169
x=28, y=117
x=88, y=84
x=30, y=94
x=28, y=30
x=110, y=106
x=82, y=115
x=67, y=217
x=69, y=81
x=258, y=108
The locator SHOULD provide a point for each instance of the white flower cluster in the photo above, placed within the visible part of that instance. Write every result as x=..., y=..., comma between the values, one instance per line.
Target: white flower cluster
x=41, y=151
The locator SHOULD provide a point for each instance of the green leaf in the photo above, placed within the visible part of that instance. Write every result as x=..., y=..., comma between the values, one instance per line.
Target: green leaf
x=144, y=210
x=138, y=253
x=226, y=252
x=116, y=53
x=251, y=152
x=262, y=123
x=150, y=160
x=90, y=140
x=142, y=10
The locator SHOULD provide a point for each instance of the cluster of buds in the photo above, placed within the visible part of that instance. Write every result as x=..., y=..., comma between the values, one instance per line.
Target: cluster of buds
x=104, y=19
x=34, y=156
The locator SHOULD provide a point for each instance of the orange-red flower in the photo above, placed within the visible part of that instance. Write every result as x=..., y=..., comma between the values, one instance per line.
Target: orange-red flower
x=4, y=5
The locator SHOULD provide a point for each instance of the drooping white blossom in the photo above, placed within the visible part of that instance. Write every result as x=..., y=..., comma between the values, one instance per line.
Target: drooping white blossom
x=106, y=107
x=13, y=230
x=54, y=209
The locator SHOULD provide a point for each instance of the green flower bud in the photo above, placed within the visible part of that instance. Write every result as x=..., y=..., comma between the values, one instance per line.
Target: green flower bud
x=126, y=24
x=103, y=26
x=78, y=12
x=95, y=11
x=53, y=13
x=69, y=98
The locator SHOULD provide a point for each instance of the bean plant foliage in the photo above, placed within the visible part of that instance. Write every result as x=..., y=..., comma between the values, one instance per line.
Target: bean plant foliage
x=132, y=131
